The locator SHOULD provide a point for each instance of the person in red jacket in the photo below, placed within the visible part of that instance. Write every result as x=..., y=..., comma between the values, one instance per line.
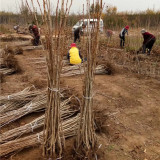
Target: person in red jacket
x=149, y=40
x=35, y=31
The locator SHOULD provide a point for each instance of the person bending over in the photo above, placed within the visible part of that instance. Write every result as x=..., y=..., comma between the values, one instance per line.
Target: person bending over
x=36, y=35
x=149, y=40
x=77, y=33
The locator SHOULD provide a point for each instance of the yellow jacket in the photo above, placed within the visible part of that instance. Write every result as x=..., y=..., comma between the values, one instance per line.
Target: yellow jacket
x=74, y=56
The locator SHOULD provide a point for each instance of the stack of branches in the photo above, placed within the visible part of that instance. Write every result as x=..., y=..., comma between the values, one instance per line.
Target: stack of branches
x=17, y=100
x=37, y=104
x=8, y=38
x=68, y=71
x=42, y=61
x=27, y=94
x=19, y=45
x=10, y=141
x=9, y=63
x=29, y=48
x=9, y=106
x=66, y=112
x=69, y=126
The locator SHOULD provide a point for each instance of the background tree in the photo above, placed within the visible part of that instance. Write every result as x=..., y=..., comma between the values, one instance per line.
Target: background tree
x=111, y=10
x=24, y=12
x=94, y=10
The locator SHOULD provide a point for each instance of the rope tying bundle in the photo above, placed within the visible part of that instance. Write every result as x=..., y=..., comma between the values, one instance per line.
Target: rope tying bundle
x=55, y=90
x=38, y=137
x=89, y=97
x=29, y=107
x=33, y=125
x=9, y=97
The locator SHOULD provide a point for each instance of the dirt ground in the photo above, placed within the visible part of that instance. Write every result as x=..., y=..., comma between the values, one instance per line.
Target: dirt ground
x=129, y=104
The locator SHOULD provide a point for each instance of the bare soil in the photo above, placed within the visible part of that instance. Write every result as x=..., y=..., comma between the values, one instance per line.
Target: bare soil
x=128, y=106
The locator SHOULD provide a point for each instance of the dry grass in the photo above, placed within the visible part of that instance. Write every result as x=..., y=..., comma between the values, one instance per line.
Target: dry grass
x=9, y=59
x=109, y=66
x=4, y=29
x=13, y=50
x=100, y=121
x=24, y=78
x=39, y=83
x=127, y=58
x=8, y=50
x=11, y=62
x=156, y=51
x=18, y=50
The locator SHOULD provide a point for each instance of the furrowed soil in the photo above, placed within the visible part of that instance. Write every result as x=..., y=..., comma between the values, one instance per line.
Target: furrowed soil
x=127, y=106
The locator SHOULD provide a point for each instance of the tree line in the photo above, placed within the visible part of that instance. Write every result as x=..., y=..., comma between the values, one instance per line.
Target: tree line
x=111, y=17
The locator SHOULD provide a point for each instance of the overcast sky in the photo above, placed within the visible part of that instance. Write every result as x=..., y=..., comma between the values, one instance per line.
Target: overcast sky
x=122, y=5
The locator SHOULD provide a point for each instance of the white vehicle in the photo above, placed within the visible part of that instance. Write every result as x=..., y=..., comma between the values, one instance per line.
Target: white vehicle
x=89, y=24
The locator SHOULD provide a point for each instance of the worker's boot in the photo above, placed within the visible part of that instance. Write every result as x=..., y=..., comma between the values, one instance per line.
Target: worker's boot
x=148, y=52
x=120, y=43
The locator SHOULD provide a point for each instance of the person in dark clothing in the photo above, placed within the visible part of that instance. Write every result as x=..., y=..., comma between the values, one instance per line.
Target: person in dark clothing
x=35, y=31
x=77, y=33
x=149, y=40
x=122, y=36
